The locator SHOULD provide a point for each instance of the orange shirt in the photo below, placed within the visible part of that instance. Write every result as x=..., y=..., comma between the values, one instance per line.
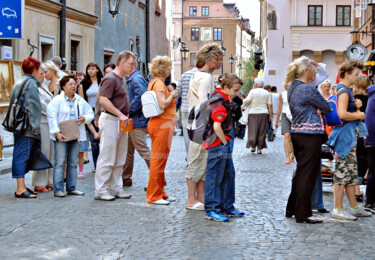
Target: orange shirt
x=170, y=111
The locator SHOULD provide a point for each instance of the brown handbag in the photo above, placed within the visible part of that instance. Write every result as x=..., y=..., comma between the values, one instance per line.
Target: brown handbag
x=69, y=129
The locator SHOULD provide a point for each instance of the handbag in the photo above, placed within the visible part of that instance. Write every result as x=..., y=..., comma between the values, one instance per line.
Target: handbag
x=17, y=117
x=69, y=129
x=150, y=106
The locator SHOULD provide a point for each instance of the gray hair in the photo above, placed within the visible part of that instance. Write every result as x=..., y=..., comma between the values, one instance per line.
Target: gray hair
x=57, y=61
x=259, y=82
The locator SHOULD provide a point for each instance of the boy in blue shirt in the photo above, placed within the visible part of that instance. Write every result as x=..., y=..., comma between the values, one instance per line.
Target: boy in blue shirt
x=220, y=174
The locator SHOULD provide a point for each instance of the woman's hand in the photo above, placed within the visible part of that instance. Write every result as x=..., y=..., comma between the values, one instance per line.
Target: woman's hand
x=81, y=120
x=277, y=124
x=96, y=136
x=358, y=103
x=96, y=124
x=360, y=115
x=60, y=137
x=174, y=93
x=319, y=112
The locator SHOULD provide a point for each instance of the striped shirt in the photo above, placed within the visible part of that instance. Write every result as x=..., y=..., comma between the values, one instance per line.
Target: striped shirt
x=183, y=89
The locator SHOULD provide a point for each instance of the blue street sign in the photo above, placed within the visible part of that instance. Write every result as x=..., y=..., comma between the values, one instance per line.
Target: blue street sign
x=11, y=18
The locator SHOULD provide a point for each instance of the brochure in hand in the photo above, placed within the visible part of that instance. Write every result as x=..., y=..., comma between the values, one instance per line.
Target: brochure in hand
x=128, y=128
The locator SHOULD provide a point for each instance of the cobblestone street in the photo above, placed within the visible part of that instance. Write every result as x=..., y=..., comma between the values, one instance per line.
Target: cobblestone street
x=83, y=228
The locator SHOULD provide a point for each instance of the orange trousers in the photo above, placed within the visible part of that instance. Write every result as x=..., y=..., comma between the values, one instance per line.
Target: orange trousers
x=161, y=133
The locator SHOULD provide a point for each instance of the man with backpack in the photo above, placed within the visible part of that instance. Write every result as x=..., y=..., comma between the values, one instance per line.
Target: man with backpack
x=209, y=58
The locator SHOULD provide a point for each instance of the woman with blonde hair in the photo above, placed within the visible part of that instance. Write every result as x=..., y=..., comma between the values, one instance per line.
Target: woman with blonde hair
x=51, y=74
x=307, y=131
x=160, y=129
x=343, y=139
x=325, y=87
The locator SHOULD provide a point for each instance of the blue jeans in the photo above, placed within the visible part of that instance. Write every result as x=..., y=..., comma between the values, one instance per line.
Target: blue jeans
x=231, y=143
x=317, y=195
x=65, y=151
x=94, y=147
x=220, y=175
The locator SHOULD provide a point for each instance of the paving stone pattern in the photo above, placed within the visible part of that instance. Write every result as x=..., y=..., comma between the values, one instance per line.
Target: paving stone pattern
x=83, y=228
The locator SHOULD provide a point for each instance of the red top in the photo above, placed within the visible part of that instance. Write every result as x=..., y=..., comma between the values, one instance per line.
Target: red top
x=218, y=115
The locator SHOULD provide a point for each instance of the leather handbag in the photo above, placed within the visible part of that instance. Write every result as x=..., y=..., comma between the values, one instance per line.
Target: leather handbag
x=17, y=117
x=69, y=128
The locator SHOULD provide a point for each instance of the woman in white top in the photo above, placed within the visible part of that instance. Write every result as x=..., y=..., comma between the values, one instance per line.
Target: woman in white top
x=286, y=124
x=43, y=180
x=68, y=105
x=260, y=112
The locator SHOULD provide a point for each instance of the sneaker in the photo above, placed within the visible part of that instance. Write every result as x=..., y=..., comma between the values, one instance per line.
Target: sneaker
x=370, y=207
x=342, y=214
x=104, y=196
x=60, y=194
x=361, y=212
x=234, y=213
x=121, y=194
x=76, y=192
x=213, y=215
x=80, y=175
x=171, y=199
x=160, y=202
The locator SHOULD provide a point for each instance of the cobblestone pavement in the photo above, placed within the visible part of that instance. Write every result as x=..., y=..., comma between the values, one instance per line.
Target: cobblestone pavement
x=83, y=228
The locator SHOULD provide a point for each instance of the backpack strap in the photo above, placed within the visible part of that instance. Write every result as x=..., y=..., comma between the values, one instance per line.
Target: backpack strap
x=153, y=85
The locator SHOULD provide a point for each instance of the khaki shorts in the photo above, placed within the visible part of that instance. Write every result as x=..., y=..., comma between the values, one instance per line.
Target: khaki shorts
x=196, y=171
x=346, y=170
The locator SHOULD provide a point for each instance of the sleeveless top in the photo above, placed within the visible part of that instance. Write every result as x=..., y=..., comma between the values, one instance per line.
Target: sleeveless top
x=351, y=106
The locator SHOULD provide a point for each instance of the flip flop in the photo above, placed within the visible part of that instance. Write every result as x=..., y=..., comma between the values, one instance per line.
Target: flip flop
x=195, y=206
x=25, y=195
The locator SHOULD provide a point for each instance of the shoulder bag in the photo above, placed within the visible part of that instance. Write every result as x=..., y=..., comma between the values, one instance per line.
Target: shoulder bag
x=17, y=117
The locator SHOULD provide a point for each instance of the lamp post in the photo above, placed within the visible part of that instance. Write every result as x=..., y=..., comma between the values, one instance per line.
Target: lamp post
x=240, y=69
x=184, y=52
x=114, y=6
x=231, y=61
x=223, y=50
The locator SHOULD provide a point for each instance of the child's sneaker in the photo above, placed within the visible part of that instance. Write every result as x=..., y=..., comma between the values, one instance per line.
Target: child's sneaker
x=342, y=214
x=233, y=213
x=216, y=216
x=80, y=175
x=361, y=212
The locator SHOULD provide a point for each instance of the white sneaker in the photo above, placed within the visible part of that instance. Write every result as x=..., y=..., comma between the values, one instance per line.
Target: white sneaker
x=121, y=194
x=104, y=196
x=342, y=214
x=361, y=212
x=171, y=199
x=160, y=202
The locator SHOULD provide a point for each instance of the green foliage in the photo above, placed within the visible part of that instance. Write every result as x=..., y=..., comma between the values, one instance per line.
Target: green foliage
x=248, y=77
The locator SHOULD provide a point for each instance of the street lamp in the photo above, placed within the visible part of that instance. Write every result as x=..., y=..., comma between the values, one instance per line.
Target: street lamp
x=231, y=61
x=184, y=52
x=114, y=6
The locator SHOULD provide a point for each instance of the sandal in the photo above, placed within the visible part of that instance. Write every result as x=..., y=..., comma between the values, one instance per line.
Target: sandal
x=31, y=191
x=41, y=189
x=25, y=195
x=323, y=210
x=50, y=187
x=81, y=175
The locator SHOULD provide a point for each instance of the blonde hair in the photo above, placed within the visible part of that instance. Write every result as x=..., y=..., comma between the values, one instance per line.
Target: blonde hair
x=206, y=53
x=229, y=80
x=161, y=66
x=50, y=65
x=296, y=68
x=361, y=86
x=327, y=81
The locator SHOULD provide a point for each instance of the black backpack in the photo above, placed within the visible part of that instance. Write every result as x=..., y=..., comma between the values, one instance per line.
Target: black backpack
x=199, y=124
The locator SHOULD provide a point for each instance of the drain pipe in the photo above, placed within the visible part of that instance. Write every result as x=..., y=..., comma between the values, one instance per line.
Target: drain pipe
x=147, y=36
x=62, y=29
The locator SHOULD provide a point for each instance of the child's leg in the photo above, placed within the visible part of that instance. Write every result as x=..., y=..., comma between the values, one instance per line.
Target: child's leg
x=214, y=177
x=228, y=185
x=81, y=162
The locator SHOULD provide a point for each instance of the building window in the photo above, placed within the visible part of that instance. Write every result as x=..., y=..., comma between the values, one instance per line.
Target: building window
x=74, y=45
x=205, y=10
x=193, y=11
x=193, y=57
x=218, y=34
x=315, y=15
x=343, y=15
x=194, y=34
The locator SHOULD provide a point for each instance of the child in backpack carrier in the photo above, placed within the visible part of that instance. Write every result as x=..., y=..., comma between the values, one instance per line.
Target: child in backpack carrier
x=220, y=174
